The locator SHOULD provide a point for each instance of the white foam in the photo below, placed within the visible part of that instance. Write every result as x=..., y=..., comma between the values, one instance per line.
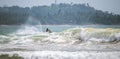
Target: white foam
x=65, y=55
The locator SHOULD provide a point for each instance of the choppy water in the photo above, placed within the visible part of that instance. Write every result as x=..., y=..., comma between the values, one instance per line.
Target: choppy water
x=62, y=55
x=59, y=43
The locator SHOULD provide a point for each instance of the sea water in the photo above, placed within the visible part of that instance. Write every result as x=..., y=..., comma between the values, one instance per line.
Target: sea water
x=65, y=42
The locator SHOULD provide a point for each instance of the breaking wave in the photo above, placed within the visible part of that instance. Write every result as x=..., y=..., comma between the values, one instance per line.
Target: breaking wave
x=70, y=36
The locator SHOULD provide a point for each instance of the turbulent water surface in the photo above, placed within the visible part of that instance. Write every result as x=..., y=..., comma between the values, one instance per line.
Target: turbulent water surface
x=65, y=42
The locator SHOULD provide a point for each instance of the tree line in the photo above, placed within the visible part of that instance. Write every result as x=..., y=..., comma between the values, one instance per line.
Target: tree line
x=65, y=14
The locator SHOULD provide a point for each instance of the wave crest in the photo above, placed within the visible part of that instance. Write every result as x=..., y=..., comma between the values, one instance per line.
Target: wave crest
x=75, y=35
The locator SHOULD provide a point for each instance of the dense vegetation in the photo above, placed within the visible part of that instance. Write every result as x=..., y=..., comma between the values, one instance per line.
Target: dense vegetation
x=73, y=14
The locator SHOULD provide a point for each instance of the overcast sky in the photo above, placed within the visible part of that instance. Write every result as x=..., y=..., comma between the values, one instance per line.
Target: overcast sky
x=105, y=5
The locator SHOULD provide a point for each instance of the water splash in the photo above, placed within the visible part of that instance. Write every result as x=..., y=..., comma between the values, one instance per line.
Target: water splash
x=32, y=26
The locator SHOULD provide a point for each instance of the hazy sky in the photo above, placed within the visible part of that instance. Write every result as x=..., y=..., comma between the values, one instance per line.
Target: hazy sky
x=105, y=5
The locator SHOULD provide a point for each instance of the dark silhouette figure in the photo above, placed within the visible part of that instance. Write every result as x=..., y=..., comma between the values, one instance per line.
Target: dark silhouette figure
x=48, y=30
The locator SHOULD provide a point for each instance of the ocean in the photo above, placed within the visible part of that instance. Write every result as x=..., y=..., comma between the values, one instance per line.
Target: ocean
x=65, y=42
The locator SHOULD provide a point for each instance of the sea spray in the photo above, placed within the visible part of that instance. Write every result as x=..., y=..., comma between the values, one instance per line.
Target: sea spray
x=31, y=26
